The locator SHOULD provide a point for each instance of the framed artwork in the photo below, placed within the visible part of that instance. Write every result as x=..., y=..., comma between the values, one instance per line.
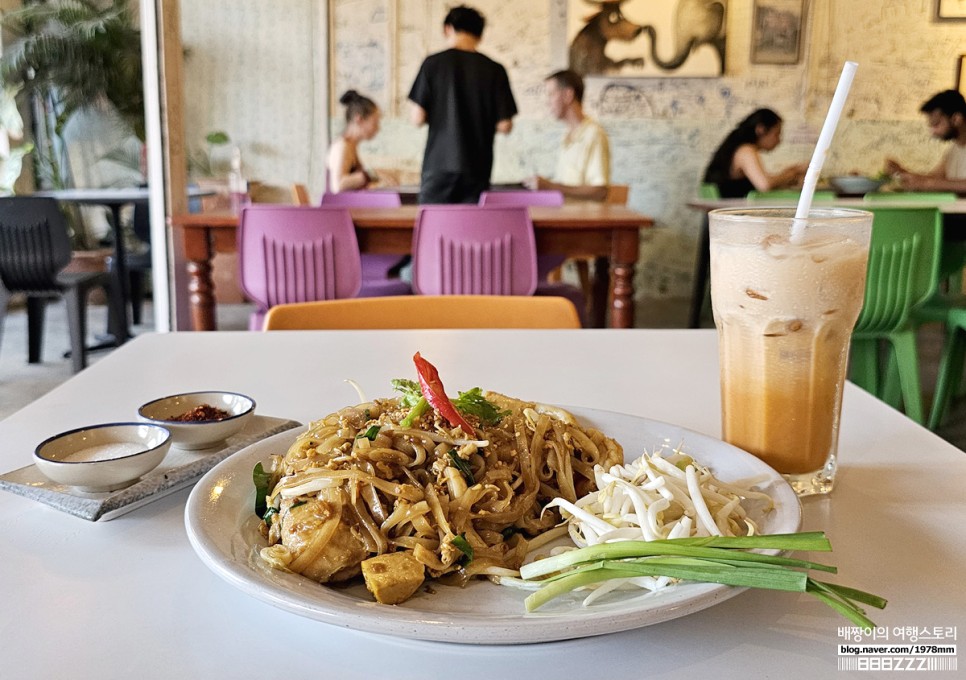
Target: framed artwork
x=776, y=35
x=646, y=38
x=961, y=74
x=951, y=10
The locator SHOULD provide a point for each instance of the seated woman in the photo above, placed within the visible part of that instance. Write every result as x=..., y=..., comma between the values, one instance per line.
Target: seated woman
x=736, y=166
x=345, y=170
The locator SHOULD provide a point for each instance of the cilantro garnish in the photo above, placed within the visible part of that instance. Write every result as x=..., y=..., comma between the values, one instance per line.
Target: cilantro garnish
x=472, y=402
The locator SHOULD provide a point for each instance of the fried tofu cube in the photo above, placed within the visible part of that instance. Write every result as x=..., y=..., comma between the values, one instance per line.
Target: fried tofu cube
x=393, y=578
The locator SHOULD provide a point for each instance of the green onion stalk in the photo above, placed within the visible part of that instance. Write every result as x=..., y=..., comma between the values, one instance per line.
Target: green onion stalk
x=715, y=559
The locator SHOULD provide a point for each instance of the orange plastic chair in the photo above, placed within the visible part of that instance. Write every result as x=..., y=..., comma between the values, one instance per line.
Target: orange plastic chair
x=425, y=311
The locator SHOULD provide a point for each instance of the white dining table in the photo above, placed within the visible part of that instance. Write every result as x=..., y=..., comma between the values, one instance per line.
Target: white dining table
x=130, y=598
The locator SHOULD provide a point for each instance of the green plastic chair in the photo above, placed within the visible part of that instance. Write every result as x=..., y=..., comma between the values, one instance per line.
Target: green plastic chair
x=951, y=265
x=910, y=197
x=902, y=273
x=788, y=194
x=709, y=191
x=951, y=312
x=948, y=307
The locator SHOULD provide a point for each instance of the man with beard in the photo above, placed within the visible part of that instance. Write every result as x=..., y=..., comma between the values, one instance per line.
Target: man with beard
x=946, y=119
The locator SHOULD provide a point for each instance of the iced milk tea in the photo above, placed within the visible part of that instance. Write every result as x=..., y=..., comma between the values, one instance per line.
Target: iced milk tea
x=785, y=312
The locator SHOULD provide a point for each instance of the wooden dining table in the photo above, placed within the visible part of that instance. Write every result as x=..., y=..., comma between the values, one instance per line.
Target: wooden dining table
x=608, y=233
x=130, y=597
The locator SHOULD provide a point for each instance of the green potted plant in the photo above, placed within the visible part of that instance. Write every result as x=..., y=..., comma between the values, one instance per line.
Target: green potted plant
x=205, y=163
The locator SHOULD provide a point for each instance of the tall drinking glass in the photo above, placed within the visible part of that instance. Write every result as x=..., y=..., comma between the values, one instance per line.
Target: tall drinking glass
x=785, y=311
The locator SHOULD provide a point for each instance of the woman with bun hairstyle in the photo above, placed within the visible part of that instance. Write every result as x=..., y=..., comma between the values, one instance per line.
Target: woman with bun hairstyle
x=345, y=170
x=736, y=166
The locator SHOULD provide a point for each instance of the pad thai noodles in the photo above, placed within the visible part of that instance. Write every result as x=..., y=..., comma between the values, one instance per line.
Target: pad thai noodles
x=420, y=485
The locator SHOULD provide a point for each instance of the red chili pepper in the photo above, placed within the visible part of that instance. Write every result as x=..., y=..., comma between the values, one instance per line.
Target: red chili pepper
x=432, y=388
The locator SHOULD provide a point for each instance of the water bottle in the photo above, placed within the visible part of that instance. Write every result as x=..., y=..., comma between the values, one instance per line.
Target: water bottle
x=237, y=185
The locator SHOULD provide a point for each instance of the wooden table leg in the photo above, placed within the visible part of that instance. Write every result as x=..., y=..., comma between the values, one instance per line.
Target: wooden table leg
x=201, y=295
x=622, y=304
x=201, y=298
x=623, y=258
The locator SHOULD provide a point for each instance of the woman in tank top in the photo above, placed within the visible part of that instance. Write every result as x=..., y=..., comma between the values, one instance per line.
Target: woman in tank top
x=736, y=166
x=345, y=170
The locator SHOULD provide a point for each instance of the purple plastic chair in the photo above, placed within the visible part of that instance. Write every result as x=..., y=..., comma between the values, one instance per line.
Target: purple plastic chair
x=518, y=199
x=544, y=197
x=545, y=263
x=474, y=250
x=376, y=281
x=296, y=254
x=469, y=250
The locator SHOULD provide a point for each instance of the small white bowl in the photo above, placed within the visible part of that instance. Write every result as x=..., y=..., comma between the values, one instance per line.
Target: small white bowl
x=855, y=185
x=103, y=457
x=199, y=434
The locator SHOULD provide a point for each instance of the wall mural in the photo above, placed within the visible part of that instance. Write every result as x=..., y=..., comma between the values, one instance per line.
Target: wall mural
x=650, y=38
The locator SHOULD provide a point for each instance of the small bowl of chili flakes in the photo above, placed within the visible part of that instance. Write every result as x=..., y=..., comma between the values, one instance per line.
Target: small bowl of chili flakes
x=199, y=420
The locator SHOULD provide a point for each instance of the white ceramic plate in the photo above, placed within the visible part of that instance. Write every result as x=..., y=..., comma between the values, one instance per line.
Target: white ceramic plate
x=222, y=528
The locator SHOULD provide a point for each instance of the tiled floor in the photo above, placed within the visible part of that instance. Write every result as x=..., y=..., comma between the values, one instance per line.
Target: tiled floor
x=21, y=383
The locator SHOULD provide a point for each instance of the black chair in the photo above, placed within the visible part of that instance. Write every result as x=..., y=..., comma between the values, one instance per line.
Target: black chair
x=138, y=264
x=34, y=250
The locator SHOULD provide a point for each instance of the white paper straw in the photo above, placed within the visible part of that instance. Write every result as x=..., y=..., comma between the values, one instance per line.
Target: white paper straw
x=822, y=147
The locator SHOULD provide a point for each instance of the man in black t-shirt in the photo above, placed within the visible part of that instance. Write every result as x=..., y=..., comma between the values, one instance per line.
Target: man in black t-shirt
x=465, y=98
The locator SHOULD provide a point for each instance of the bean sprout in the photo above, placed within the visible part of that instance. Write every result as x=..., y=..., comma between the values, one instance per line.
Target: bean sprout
x=658, y=496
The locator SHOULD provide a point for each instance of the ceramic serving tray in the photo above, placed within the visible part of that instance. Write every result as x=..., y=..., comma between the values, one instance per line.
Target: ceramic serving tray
x=180, y=468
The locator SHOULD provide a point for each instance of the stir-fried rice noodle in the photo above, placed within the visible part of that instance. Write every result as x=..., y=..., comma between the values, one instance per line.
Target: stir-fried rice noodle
x=343, y=497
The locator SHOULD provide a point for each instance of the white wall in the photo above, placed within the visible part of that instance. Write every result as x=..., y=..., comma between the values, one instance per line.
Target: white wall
x=252, y=70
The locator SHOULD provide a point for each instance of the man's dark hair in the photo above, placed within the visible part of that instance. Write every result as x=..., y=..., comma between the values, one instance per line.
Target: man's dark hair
x=947, y=101
x=465, y=19
x=569, y=80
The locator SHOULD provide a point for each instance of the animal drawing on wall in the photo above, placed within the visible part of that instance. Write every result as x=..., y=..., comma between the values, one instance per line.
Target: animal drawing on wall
x=588, y=48
x=647, y=37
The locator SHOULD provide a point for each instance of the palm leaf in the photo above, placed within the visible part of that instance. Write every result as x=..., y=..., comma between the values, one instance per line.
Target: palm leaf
x=83, y=53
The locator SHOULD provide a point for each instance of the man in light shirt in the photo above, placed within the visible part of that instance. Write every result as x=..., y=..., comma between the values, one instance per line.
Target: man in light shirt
x=583, y=167
x=946, y=118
